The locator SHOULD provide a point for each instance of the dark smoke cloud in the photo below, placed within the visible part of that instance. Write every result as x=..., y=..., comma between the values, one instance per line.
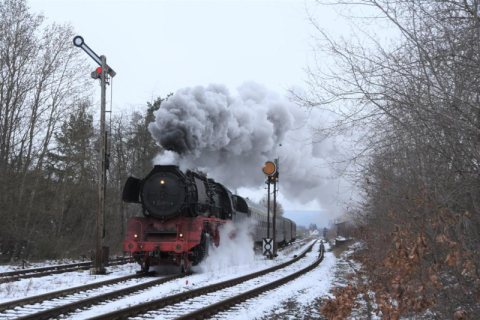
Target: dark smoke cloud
x=231, y=137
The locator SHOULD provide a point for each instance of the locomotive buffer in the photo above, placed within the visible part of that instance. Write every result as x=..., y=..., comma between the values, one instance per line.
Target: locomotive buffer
x=99, y=73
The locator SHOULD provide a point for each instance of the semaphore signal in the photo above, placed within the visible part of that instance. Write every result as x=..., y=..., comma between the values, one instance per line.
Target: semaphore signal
x=101, y=73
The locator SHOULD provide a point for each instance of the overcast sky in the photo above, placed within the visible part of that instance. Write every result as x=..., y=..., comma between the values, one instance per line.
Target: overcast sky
x=158, y=47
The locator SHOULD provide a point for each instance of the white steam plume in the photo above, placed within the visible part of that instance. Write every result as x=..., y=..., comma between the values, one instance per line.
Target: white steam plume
x=232, y=136
x=235, y=249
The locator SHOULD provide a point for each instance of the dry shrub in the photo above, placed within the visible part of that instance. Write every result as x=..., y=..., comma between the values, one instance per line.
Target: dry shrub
x=422, y=264
x=342, y=304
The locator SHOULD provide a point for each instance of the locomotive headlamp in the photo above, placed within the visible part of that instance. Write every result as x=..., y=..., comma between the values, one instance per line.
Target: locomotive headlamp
x=162, y=181
x=136, y=235
x=181, y=235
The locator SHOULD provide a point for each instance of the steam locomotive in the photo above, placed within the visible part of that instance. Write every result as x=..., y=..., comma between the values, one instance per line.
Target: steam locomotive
x=182, y=215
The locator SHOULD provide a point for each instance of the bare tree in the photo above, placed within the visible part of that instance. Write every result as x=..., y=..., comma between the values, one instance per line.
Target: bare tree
x=279, y=208
x=39, y=82
x=413, y=106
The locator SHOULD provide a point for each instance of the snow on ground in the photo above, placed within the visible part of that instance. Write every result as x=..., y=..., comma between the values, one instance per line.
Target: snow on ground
x=185, y=307
x=210, y=273
x=34, y=286
x=302, y=299
x=28, y=265
x=303, y=290
x=223, y=263
x=298, y=299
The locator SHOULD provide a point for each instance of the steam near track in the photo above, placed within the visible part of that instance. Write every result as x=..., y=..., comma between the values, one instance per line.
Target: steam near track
x=231, y=136
x=233, y=251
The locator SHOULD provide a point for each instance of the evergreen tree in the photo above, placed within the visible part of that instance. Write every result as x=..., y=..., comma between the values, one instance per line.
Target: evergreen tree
x=74, y=165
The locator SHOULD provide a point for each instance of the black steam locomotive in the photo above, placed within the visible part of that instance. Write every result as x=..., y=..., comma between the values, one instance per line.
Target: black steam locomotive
x=182, y=214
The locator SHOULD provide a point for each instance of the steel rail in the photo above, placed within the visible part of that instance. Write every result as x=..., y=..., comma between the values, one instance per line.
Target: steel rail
x=61, y=266
x=290, y=245
x=71, y=307
x=46, y=271
x=169, y=300
x=62, y=293
x=229, y=303
x=33, y=270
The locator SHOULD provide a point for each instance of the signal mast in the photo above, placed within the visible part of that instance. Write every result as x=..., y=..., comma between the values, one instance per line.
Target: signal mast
x=101, y=73
x=271, y=171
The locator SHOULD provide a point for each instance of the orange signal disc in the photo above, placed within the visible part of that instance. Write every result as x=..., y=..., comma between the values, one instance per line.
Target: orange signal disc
x=269, y=168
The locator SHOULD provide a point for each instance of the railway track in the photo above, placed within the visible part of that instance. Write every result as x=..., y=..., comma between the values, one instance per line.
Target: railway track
x=174, y=303
x=294, y=245
x=291, y=246
x=53, y=304
x=46, y=271
x=226, y=304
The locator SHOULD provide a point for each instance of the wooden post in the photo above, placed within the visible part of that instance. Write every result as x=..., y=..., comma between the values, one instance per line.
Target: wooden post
x=99, y=266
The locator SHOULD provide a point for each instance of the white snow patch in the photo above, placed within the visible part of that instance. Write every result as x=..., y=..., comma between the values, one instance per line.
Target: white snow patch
x=34, y=286
x=304, y=290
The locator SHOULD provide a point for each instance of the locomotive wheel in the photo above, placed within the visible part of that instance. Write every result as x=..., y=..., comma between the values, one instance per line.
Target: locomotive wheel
x=201, y=251
x=199, y=254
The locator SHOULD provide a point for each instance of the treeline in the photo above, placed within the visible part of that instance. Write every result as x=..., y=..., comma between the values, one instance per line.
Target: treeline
x=49, y=144
x=279, y=211
x=413, y=105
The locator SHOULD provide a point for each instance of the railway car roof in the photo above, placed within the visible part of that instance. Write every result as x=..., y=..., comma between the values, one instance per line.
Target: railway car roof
x=256, y=206
x=262, y=210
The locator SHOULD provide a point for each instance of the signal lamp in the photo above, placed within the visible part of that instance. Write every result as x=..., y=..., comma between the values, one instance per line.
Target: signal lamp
x=162, y=182
x=270, y=168
x=97, y=74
